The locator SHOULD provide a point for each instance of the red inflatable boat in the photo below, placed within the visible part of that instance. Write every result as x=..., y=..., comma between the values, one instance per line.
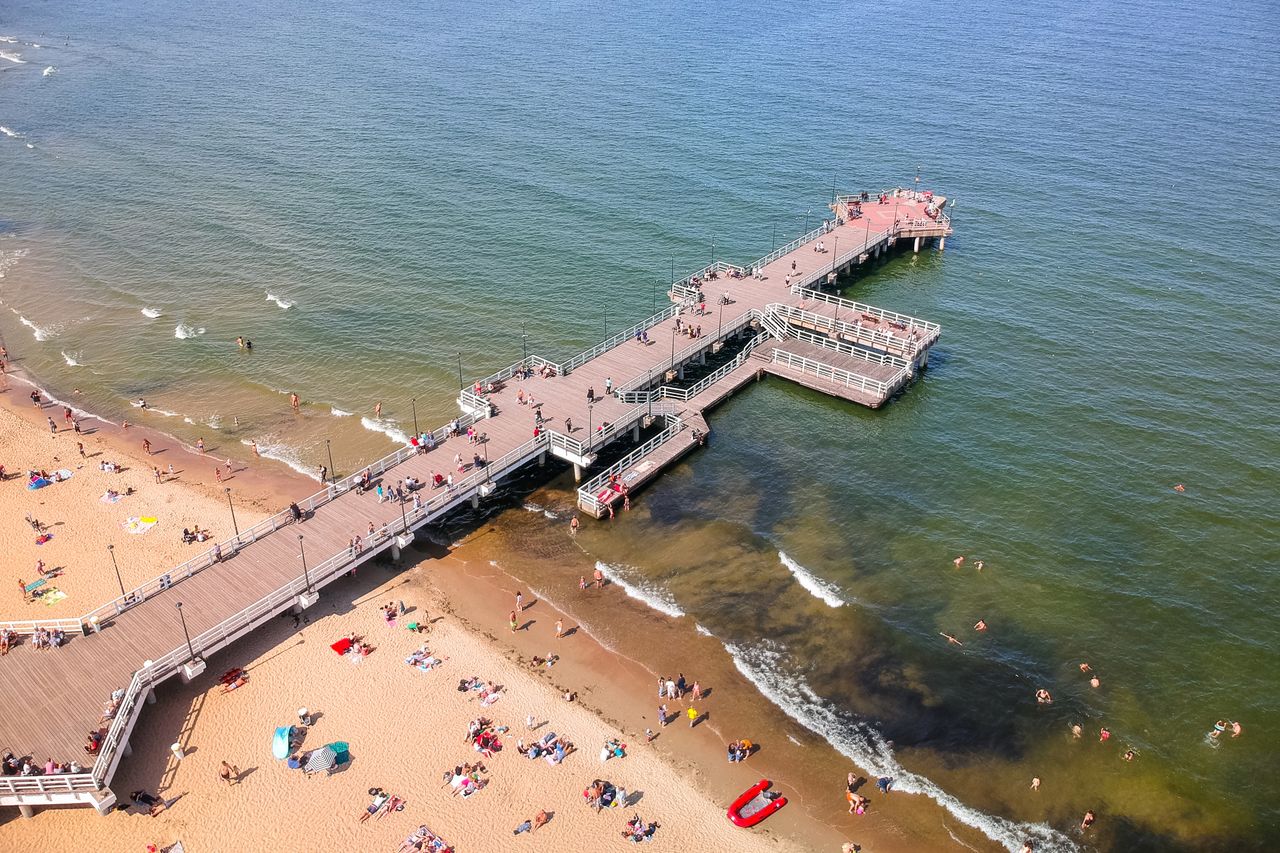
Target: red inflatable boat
x=755, y=804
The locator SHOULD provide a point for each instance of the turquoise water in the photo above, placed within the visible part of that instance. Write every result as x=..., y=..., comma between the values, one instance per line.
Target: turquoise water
x=426, y=184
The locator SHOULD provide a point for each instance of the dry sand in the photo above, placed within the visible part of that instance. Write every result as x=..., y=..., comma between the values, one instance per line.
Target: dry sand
x=83, y=525
x=405, y=728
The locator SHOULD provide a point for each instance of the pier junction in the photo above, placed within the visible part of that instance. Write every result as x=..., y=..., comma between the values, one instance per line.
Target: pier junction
x=726, y=326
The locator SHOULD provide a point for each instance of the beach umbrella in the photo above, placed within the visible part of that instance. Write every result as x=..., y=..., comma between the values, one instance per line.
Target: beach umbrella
x=323, y=758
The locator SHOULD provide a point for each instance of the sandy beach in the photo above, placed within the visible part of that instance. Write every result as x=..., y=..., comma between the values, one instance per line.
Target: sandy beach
x=82, y=519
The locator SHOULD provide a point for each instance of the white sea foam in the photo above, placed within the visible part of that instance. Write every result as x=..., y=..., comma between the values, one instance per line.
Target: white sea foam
x=214, y=422
x=827, y=592
x=530, y=506
x=12, y=134
x=151, y=313
x=41, y=334
x=703, y=631
x=183, y=331
x=281, y=452
x=29, y=145
x=8, y=259
x=71, y=359
x=387, y=428
x=765, y=665
x=49, y=71
x=338, y=413
x=12, y=56
x=656, y=597
x=794, y=740
x=284, y=304
x=8, y=40
x=187, y=420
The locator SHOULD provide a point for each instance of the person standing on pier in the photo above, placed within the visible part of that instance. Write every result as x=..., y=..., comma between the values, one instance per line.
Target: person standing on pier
x=591, y=395
x=608, y=385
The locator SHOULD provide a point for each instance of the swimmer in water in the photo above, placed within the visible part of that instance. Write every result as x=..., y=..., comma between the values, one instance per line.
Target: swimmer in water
x=978, y=565
x=980, y=626
x=1179, y=488
x=958, y=561
x=1076, y=731
x=1089, y=818
x=1236, y=728
x=1129, y=754
x=1094, y=682
x=1084, y=667
x=1044, y=697
x=950, y=639
x=1035, y=783
x=240, y=342
x=1104, y=734
x=1218, y=728
x=295, y=402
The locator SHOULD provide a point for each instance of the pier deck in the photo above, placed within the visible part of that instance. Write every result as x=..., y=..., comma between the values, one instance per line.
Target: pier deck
x=53, y=699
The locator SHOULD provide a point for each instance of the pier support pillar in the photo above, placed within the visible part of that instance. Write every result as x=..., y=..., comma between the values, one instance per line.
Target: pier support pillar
x=577, y=473
x=151, y=696
x=635, y=431
x=702, y=357
x=680, y=372
x=475, y=501
x=395, y=547
x=542, y=458
x=128, y=750
x=26, y=810
x=917, y=248
x=942, y=243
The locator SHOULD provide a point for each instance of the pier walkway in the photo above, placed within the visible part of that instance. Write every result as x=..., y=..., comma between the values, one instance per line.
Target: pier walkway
x=571, y=410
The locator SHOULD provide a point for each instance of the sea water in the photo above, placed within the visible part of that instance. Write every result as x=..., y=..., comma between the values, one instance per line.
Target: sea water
x=381, y=197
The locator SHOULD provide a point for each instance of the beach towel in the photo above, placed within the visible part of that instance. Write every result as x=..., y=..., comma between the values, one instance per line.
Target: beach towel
x=43, y=538
x=63, y=474
x=342, y=646
x=52, y=596
x=38, y=483
x=108, y=498
x=139, y=524
x=34, y=585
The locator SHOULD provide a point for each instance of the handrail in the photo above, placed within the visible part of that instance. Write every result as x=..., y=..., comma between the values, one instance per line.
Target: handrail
x=587, y=492
x=870, y=356
x=717, y=267
x=826, y=371
x=855, y=331
x=620, y=338
x=863, y=308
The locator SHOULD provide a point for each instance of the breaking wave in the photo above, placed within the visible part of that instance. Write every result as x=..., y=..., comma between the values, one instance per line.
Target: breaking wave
x=387, y=428
x=656, y=597
x=183, y=331
x=151, y=313
x=284, y=304
x=825, y=591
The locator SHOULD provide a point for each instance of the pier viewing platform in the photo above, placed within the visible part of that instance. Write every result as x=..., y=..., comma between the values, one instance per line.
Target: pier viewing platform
x=619, y=413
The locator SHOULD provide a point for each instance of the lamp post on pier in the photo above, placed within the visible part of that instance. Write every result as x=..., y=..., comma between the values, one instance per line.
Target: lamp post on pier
x=231, y=507
x=413, y=403
x=720, y=322
x=713, y=253
x=524, y=344
x=404, y=519
x=673, y=347
x=333, y=475
x=111, y=549
x=190, y=649
x=302, y=552
x=590, y=425
x=673, y=272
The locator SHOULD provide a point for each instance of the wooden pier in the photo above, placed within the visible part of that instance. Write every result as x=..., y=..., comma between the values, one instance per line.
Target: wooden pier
x=736, y=324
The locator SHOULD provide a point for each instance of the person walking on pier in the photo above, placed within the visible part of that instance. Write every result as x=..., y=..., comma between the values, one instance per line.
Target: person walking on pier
x=608, y=385
x=591, y=393
x=568, y=425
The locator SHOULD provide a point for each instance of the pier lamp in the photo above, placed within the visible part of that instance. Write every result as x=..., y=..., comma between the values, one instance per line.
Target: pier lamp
x=673, y=272
x=403, y=518
x=333, y=475
x=302, y=552
x=111, y=549
x=524, y=343
x=231, y=507
x=605, y=318
x=835, y=253
x=190, y=649
x=713, y=252
x=413, y=404
x=590, y=424
x=673, y=347
x=720, y=322
x=485, y=447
